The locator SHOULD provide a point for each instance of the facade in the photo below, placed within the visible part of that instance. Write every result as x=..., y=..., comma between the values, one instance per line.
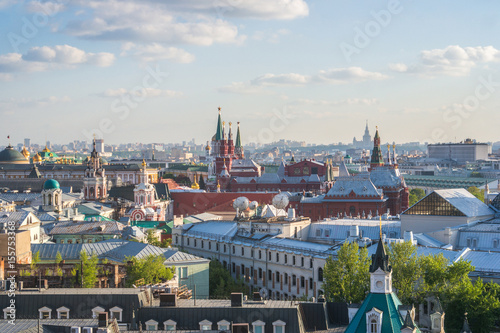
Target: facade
x=445, y=208
x=85, y=231
x=467, y=151
x=379, y=191
x=279, y=267
x=95, y=186
x=22, y=220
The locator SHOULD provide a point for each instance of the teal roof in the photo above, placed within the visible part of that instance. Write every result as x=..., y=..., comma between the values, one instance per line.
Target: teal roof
x=238, y=137
x=9, y=155
x=445, y=181
x=218, y=134
x=51, y=184
x=392, y=321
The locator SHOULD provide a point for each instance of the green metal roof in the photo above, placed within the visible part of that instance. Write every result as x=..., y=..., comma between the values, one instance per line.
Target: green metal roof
x=9, y=154
x=445, y=181
x=391, y=318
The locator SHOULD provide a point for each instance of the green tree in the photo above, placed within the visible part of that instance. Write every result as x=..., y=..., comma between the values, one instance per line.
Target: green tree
x=58, y=258
x=151, y=238
x=35, y=260
x=405, y=270
x=89, y=269
x=221, y=283
x=476, y=192
x=201, y=182
x=347, y=277
x=415, y=195
x=150, y=268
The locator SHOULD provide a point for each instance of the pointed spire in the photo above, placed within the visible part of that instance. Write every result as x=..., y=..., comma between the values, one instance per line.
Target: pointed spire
x=389, y=159
x=219, y=133
x=380, y=259
x=466, y=327
x=377, y=159
x=238, y=137
x=224, y=130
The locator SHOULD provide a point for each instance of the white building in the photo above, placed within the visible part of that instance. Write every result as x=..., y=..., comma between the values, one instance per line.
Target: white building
x=257, y=251
x=467, y=151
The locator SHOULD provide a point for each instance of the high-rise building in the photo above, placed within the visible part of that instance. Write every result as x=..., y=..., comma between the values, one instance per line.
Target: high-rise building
x=27, y=143
x=99, y=145
x=466, y=151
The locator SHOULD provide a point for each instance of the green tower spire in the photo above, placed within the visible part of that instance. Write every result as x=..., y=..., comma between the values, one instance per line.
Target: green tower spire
x=377, y=151
x=238, y=137
x=218, y=135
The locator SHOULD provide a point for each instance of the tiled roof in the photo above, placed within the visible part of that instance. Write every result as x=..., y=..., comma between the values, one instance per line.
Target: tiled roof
x=88, y=228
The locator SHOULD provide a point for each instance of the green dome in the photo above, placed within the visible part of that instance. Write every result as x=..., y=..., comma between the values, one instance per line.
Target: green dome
x=12, y=156
x=51, y=184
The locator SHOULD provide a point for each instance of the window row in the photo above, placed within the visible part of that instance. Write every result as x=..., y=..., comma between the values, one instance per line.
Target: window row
x=206, y=325
x=63, y=312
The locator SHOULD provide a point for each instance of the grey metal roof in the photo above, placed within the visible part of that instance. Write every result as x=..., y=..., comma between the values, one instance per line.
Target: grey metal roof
x=43, y=325
x=361, y=185
x=17, y=197
x=79, y=301
x=187, y=316
x=88, y=228
x=465, y=202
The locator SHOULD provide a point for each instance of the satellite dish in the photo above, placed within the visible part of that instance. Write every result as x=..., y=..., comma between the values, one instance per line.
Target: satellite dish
x=241, y=204
x=253, y=205
x=263, y=293
x=280, y=201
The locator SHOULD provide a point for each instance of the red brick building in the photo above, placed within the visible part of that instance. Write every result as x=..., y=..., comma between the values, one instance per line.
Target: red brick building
x=375, y=192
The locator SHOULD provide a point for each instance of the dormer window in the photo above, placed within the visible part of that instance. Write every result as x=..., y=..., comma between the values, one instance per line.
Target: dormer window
x=151, y=325
x=96, y=311
x=205, y=325
x=258, y=326
x=279, y=326
x=223, y=325
x=170, y=325
x=374, y=321
x=62, y=313
x=116, y=312
x=45, y=313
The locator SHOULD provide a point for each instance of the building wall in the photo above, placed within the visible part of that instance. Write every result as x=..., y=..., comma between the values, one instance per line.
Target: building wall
x=22, y=247
x=428, y=223
x=254, y=268
x=197, y=275
x=460, y=152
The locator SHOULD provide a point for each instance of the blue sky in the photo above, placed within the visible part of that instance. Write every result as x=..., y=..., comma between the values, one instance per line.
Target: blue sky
x=156, y=71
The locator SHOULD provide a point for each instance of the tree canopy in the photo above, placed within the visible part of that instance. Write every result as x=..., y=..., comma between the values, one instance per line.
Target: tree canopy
x=221, y=283
x=476, y=192
x=150, y=268
x=346, y=277
x=89, y=269
x=415, y=195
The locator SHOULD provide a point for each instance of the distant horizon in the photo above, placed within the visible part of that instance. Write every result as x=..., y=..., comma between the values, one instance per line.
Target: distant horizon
x=304, y=70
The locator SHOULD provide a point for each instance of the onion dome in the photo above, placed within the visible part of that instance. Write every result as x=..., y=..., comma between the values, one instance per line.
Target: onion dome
x=25, y=153
x=37, y=158
x=51, y=184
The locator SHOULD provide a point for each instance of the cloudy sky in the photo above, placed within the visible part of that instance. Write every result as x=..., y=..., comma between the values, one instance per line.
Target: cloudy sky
x=313, y=70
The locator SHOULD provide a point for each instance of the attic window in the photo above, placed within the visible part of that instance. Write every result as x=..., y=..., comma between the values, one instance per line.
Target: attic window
x=365, y=189
x=45, y=313
x=341, y=189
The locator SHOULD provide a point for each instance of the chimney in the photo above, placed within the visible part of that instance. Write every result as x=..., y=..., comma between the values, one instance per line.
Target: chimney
x=236, y=300
x=408, y=236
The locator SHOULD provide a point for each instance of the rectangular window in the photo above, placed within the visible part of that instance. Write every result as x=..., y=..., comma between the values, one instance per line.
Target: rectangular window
x=286, y=259
x=195, y=242
x=286, y=278
x=293, y=260
x=202, y=244
x=217, y=246
x=225, y=248
x=270, y=275
x=234, y=249
x=294, y=280
x=242, y=251
x=302, y=261
x=310, y=263
x=278, y=329
x=311, y=283
x=251, y=253
x=277, y=257
x=260, y=254
x=270, y=258
x=209, y=245
x=188, y=241
x=260, y=273
x=64, y=315
x=234, y=267
x=258, y=329
x=277, y=276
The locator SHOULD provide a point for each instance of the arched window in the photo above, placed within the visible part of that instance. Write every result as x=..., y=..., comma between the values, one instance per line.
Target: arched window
x=373, y=326
x=50, y=199
x=352, y=210
x=98, y=191
x=56, y=199
x=320, y=274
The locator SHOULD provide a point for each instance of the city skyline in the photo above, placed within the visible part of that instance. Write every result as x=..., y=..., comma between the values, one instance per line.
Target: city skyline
x=314, y=71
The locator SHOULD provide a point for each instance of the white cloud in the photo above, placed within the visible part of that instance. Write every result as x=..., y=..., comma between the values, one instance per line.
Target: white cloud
x=143, y=22
x=156, y=52
x=347, y=75
x=453, y=60
x=6, y=3
x=331, y=76
x=47, y=7
x=256, y=9
x=348, y=101
x=145, y=92
x=15, y=103
x=291, y=79
x=44, y=58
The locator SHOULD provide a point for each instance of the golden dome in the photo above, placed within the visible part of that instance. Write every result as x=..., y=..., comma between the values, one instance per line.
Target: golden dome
x=26, y=153
x=46, y=149
x=143, y=162
x=37, y=158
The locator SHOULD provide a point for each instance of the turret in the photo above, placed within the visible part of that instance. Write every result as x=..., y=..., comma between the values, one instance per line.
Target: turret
x=377, y=159
x=238, y=148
